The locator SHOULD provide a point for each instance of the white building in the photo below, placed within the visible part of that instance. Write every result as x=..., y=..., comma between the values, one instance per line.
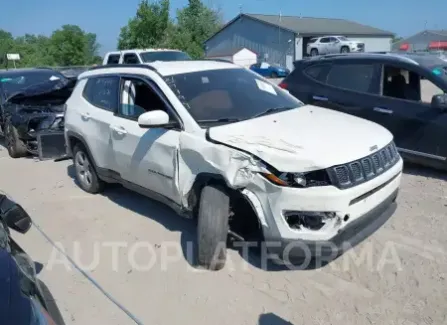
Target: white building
x=240, y=56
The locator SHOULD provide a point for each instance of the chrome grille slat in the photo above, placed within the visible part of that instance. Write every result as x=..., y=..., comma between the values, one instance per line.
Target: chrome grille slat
x=369, y=167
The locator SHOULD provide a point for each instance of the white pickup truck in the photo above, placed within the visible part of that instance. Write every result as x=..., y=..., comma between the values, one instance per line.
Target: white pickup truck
x=136, y=56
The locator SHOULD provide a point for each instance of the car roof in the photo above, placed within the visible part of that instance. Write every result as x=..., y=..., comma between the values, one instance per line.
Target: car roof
x=142, y=50
x=164, y=68
x=20, y=71
x=379, y=56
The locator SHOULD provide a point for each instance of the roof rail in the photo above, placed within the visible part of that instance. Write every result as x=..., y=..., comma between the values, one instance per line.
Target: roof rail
x=119, y=65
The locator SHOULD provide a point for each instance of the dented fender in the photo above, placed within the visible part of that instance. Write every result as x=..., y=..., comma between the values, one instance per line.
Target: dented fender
x=196, y=156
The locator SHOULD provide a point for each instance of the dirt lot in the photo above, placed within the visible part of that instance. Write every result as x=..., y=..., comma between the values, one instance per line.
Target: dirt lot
x=398, y=276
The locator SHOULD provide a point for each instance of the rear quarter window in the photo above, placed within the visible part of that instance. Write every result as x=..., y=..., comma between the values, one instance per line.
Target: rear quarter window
x=113, y=59
x=317, y=72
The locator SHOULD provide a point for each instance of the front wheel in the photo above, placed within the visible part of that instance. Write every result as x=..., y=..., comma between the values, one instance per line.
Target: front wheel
x=212, y=229
x=344, y=49
x=16, y=147
x=314, y=52
x=274, y=75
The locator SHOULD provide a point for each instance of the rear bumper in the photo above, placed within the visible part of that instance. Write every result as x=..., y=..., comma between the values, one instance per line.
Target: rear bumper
x=346, y=238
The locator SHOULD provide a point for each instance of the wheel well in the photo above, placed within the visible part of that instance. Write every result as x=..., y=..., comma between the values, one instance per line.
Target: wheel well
x=72, y=142
x=243, y=218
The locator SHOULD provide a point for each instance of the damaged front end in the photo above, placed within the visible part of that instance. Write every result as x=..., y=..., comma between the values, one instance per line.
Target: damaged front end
x=38, y=116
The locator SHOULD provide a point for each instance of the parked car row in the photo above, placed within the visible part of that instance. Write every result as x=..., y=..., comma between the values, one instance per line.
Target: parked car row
x=220, y=143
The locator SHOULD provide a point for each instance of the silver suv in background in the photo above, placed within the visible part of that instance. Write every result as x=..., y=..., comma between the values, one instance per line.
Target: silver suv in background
x=333, y=44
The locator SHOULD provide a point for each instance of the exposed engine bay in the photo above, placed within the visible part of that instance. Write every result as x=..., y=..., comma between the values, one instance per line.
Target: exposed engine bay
x=37, y=110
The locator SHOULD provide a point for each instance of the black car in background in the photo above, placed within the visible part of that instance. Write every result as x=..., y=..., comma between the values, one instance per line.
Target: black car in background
x=404, y=93
x=31, y=101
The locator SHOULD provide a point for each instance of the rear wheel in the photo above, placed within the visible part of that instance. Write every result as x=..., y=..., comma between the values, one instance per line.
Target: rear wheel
x=212, y=229
x=16, y=147
x=274, y=75
x=85, y=171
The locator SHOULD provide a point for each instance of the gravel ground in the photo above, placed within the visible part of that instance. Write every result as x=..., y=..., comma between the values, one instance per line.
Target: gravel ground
x=401, y=280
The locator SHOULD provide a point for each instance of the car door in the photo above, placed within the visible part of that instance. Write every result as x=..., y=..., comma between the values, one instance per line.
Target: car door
x=419, y=129
x=347, y=87
x=332, y=45
x=144, y=157
x=323, y=45
x=93, y=117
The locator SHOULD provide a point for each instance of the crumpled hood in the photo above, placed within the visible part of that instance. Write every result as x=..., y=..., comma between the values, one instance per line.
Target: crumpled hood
x=304, y=139
x=57, y=90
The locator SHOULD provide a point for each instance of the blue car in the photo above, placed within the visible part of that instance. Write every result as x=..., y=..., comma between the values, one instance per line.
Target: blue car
x=270, y=70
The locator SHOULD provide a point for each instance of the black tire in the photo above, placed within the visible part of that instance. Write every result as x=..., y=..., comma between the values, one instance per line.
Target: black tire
x=50, y=303
x=85, y=171
x=212, y=228
x=274, y=75
x=344, y=49
x=313, y=52
x=16, y=147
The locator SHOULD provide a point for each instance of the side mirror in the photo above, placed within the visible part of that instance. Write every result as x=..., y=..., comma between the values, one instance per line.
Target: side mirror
x=155, y=119
x=14, y=216
x=439, y=102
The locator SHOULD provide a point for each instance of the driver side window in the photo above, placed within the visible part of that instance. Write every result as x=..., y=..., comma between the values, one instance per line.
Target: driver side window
x=408, y=85
x=138, y=97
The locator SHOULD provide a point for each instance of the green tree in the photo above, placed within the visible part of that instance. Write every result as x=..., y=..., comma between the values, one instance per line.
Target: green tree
x=149, y=27
x=70, y=45
x=195, y=24
x=6, y=45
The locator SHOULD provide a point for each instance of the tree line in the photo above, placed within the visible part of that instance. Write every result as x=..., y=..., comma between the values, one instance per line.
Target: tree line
x=151, y=27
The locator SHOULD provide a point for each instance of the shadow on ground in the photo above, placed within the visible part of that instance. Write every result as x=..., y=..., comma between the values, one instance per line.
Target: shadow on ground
x=272, y=319
x=187, y=227
x=417, y=170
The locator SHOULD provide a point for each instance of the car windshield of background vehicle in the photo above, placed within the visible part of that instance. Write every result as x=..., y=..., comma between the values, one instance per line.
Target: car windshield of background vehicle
x=342, y=38
x=312, y=40
x=164, y=56
x=232, y=94
x=15, y=82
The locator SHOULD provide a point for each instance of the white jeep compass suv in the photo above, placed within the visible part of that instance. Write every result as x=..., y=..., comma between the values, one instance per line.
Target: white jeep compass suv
x=219, y=142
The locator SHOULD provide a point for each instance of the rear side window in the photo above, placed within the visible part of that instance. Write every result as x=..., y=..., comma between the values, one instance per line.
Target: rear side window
x=103, y=92
x=356, y=77
x=130, y=58
x=113, y=59
x=317, y=72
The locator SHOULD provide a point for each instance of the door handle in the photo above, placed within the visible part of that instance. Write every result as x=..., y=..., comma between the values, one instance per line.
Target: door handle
x=383, y=110
x=320, y=98
x=85, y=116
x=118, y=129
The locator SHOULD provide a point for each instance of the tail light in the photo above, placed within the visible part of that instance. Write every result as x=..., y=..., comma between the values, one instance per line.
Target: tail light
x=283, y=85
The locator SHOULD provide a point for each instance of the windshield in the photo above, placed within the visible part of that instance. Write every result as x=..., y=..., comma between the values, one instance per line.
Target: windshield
x=15, y=81
x=312, y=40
x=342, y=38
x=164, y=56
x=234, y=94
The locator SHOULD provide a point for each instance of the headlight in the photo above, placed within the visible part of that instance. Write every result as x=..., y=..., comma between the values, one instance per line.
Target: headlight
x=309, y=179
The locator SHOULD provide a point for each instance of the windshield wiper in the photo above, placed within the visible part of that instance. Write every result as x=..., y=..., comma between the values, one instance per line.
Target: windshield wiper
x=273, y=110
x=220, y=120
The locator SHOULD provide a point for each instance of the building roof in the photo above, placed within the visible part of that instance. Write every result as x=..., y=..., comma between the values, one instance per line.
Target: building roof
x=225, y=52
x=309, y=26
x=421, y=40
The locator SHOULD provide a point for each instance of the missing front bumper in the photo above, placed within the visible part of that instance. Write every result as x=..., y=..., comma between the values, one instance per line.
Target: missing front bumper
x=350, y=236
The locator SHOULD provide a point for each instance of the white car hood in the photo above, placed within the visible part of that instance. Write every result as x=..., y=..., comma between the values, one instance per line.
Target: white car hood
x=304, y=139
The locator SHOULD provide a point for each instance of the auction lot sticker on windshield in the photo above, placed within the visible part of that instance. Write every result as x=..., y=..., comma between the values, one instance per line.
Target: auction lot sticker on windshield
x=266, y=87
x=52, y=78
